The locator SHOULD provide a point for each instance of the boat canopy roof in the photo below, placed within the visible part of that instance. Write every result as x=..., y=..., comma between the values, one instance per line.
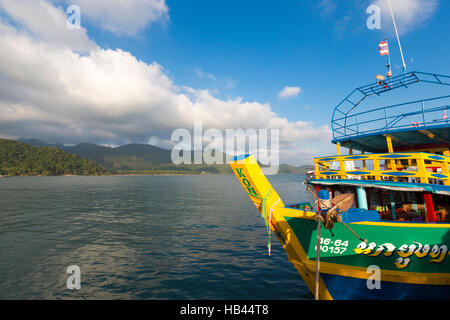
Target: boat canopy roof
x=420, y=123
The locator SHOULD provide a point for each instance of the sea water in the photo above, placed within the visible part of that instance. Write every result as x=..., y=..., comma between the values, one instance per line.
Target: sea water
x=141, y=237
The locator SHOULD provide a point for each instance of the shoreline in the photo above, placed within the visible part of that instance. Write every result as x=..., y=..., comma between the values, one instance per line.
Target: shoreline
x=120, y=174
x=135, y=174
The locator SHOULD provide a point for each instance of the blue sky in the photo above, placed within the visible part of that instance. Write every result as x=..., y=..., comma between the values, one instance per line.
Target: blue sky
x=262, y=46
x=137, y=70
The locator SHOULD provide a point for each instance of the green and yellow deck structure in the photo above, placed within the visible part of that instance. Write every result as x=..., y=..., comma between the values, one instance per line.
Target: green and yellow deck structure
x=395, y=166
x=412, y=258
x=398, y=160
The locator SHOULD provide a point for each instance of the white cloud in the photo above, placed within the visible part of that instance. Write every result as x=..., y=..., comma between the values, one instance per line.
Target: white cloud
x=202, y=74
x=289, y=92
x=48, y=22
x=226, y=83
x=50, y=92
x=327, y=6
x=408, y=13
x=229, y=82
x=123, y=17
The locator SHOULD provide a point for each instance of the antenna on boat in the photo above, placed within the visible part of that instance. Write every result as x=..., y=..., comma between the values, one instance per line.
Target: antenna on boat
x=389, y=73
x=398, y=39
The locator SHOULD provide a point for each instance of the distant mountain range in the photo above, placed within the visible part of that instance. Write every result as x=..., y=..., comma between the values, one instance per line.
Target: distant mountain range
x=144, y=158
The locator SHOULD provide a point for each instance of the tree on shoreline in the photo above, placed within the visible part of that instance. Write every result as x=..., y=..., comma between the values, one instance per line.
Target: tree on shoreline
x=17, y=158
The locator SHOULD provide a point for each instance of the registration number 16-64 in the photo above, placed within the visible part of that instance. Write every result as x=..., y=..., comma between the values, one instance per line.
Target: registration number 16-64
x=332, y=246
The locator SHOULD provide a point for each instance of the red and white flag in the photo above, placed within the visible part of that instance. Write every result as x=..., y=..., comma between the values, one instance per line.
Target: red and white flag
x=444, y=117
x=383, y=47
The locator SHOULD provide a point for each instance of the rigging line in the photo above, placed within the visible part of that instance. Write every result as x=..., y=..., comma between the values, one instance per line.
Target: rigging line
x=333, y=212
x=398, y=39
x=318, y=239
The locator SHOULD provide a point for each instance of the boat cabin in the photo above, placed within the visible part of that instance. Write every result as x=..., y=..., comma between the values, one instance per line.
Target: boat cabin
x=398, y=153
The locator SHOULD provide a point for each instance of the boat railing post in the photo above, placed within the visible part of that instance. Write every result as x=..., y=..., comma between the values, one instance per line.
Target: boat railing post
x=389, y=143
x=445, y=168
x=423, y=113
x=341, y=162
x=357, y=125
x=316, y=169
x=345, y=126
x=421, y=169
x=364, y=166
x=376, y=168
x=342, y=170
x=391, y=150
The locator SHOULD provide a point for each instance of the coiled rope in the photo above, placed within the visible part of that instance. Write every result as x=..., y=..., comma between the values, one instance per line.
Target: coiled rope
x=267, y=217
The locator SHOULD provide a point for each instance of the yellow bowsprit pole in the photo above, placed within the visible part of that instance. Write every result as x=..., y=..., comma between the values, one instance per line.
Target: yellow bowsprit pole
x=255, y=183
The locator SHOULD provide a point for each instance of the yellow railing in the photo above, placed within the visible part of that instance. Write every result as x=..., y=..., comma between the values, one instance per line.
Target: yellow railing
x=419, y=166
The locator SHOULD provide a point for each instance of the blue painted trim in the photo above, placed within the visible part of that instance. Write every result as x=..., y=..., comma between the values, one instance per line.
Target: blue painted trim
x=357, y=172
x=396, y=156
x=439, y=175
x=380, y=132
x=357, y=96
x=436, y=157
x=397, y=174
x=427, y=187
x=326, y=159
x=347, y=288
x=360, y=215
x=356, y=157
x=240, y=157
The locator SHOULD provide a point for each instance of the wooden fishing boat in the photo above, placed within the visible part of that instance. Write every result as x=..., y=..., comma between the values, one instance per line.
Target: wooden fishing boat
x=391, y=239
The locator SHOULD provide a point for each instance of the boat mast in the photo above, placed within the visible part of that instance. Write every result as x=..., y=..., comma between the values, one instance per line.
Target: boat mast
x=398, y=39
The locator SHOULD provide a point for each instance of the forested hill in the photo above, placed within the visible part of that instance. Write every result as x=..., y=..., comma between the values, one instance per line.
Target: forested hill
x=147, y=159
x=17, y=158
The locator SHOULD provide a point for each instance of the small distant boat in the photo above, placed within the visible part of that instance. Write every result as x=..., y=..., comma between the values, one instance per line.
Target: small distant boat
x=309, y=175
